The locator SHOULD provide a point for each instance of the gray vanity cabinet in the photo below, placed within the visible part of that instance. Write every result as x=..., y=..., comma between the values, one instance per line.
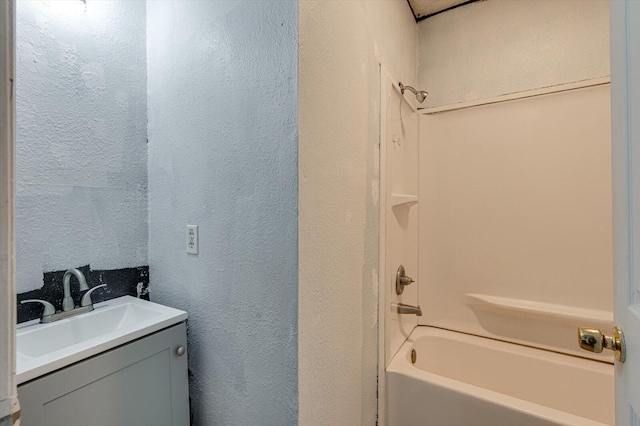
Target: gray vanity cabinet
x=143, y=383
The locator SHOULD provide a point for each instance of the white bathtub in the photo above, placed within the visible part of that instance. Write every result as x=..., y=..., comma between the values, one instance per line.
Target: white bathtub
x=460, y=379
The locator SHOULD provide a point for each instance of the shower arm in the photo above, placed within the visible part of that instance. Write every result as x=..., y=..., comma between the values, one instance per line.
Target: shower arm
x=409, y=88
x=421, y=95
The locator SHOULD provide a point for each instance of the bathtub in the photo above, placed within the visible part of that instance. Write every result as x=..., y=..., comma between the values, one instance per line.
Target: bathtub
x=460, y=379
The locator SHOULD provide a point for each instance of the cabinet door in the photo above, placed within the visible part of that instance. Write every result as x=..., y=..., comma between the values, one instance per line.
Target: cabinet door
x=143, y=383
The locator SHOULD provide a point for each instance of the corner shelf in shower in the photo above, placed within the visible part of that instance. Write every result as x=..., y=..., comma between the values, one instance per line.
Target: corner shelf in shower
x=403, y=200
x=546, y=311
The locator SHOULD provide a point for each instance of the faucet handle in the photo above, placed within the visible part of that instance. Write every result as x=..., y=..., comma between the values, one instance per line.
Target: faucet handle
x=402, y=280
x=86, y=298
x=49, y=309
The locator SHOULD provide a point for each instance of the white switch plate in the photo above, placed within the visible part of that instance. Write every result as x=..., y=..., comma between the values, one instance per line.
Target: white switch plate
x=192, y=239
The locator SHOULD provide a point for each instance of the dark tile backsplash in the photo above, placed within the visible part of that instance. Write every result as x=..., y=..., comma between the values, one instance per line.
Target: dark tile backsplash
x=120, y=282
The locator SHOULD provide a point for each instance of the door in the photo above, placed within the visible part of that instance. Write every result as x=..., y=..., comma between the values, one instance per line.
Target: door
x=625, y=124
x=9, y=409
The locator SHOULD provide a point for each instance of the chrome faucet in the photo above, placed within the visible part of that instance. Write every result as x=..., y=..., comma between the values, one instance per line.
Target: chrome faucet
x=67, y=303
x=408, y=309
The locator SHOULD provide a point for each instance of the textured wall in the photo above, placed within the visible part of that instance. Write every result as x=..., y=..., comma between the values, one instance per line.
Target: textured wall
x=81, y=162
x=496, y=47
x=341, y=46
x=223, y=155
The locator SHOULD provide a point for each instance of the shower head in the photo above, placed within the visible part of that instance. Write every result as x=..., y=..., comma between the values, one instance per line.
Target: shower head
x=420, y=95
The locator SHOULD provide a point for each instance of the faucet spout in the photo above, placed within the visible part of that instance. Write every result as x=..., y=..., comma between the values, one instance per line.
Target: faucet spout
x=67, y=303
x=408, y=309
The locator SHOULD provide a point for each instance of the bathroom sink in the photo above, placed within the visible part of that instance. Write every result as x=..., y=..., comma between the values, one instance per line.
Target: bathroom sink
x=43, y=348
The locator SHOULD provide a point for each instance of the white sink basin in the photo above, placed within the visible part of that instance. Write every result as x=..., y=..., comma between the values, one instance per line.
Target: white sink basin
x=43, y=348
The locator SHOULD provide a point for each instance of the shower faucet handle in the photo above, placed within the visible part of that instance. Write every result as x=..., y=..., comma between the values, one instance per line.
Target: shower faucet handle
x=592, y=340
x=402, y=280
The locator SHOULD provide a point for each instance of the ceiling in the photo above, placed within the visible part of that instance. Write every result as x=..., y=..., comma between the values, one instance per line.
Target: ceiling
x=424, y=8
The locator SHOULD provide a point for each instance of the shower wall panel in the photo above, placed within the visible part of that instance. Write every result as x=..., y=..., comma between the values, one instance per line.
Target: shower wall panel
x=515, y=218
x=400, y=142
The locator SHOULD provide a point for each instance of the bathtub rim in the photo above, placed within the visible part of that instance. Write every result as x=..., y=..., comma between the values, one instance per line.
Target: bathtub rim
x=401, y=364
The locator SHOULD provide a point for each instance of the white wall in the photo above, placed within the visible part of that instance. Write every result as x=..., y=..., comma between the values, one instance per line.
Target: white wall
x=497, y=47
x=341, y=46
x=81, y=166
x=223, y=156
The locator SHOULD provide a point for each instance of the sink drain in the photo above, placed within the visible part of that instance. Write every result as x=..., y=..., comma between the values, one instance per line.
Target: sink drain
x=414, y=356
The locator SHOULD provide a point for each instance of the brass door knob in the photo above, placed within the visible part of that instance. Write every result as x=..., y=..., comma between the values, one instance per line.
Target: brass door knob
x=592, y=340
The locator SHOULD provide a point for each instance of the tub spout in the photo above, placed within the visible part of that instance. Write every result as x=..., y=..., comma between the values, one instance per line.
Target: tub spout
x=408, y=309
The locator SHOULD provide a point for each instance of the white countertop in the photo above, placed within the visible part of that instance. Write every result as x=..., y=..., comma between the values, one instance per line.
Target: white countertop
x=43, y=348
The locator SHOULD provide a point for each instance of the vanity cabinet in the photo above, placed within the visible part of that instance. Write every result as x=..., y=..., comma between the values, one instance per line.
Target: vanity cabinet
x=143, y=383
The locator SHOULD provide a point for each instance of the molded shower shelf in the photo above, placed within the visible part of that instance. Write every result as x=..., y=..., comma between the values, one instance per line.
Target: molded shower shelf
x=548, y=311
x=403, y=199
